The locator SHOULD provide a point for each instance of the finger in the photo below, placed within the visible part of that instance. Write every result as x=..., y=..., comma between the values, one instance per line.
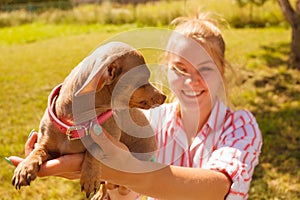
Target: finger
x=113, y=153
x=67, y=164
x=111, y=186
x=15, y=160
x=105, y=140
x=32, y=139
x=123, y=190
x=114, y=194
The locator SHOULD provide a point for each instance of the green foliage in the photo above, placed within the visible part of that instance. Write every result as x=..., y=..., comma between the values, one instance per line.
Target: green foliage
x=243, y=3
x=148, y=14
x=34, y=6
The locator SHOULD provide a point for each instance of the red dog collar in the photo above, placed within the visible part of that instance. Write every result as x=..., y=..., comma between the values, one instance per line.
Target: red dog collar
x=76, y=131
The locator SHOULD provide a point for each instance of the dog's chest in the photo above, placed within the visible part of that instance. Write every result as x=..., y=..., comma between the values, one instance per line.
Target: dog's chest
x=112, y=128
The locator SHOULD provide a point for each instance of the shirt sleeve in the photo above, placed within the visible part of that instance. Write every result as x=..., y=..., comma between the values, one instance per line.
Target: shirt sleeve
x=237, y=153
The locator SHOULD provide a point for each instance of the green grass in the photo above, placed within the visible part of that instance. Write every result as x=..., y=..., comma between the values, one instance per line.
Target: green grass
x=30, y=33
x=263, y=85
x=272, y=92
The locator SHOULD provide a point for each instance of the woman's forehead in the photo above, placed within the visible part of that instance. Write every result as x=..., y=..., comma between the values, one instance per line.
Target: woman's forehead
x=188, y=49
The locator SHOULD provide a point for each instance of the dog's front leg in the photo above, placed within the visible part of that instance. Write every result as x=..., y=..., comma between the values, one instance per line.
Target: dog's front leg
x=28, y=168
x=91, y=174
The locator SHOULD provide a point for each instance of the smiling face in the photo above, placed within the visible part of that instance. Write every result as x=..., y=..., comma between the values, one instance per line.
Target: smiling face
x=193, y=75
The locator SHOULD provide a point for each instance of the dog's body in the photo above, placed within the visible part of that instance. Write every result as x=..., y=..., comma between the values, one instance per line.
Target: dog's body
x=87, y=92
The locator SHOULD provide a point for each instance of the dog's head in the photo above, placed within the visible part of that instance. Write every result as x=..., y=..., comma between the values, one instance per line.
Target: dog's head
x=116, y=72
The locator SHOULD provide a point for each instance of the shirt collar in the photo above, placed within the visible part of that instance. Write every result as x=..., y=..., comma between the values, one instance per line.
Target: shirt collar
x=217, y=116
x=215, y=122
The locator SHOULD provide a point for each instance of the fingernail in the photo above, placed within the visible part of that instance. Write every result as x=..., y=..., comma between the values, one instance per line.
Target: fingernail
x=153, y=159
x=8, y=161
x=97, y=129
x=31, y=132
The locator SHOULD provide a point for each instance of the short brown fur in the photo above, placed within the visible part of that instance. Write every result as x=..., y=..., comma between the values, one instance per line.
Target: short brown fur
x=53, y=143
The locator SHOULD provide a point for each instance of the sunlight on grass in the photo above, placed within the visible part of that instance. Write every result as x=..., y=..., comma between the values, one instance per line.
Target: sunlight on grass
x=30, y=33
x=31, y=70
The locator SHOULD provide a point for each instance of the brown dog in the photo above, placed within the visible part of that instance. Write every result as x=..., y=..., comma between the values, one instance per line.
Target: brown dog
x=113, y=80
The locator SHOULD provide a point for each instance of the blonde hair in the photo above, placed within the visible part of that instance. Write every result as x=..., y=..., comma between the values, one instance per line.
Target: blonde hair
x=204, y=29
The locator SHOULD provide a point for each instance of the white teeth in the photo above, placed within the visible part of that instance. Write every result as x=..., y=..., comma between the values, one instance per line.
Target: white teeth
x=191, y=93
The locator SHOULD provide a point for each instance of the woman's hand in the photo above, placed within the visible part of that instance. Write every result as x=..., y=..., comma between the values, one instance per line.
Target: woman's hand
x=67, y=166
x=113, y=153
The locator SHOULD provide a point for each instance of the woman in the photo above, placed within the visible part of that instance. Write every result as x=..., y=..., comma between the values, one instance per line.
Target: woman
x=205, y=150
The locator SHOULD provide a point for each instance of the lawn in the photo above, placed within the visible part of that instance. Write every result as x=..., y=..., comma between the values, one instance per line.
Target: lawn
x=36, y=57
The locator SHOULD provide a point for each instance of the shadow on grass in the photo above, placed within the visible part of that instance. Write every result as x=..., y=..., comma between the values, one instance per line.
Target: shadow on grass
x=278, y=117
x=277, y=109
x=274, y=55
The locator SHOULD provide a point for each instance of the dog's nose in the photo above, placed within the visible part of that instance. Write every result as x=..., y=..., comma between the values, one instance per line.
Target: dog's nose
x=163, y=98
x=159, y=99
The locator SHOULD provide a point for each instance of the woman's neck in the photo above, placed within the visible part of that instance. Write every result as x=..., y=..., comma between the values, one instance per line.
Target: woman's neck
x=193, y=121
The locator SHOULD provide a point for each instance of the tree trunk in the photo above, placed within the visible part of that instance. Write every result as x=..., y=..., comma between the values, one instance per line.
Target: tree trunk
x=293, y=17
x=295, y=46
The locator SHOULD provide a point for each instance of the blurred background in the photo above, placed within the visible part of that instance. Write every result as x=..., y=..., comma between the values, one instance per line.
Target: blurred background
x=41, y=41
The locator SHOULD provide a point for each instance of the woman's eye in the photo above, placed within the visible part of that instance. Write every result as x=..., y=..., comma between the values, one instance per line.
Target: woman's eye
x=179, y=69
x=205, y=69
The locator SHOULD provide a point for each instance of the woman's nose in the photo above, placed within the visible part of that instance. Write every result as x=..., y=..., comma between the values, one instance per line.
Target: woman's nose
x=193, y=79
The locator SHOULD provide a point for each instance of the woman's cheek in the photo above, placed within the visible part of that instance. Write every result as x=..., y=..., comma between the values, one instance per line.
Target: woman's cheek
x=215, y=83
x=172, y=77
x=174, y=81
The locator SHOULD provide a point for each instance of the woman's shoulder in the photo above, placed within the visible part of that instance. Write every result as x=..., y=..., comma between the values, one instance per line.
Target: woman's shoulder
x=229, y=116
x=240, y=122
x=240, y=115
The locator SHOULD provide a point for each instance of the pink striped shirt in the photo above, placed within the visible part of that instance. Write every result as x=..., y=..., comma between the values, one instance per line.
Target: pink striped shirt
x=229, y=142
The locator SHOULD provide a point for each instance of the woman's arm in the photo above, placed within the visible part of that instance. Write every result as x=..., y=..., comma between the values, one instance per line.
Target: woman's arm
x=148, y=178
x=173, y=182
x=157, y=180
x=67, y=166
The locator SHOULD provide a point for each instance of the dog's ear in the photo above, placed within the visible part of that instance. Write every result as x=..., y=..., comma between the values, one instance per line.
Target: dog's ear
x=112, y=72
x=99, y=78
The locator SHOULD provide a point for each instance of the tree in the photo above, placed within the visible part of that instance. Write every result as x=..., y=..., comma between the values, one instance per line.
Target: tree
x=242, y=3
x=292, y=15
x=251, y=3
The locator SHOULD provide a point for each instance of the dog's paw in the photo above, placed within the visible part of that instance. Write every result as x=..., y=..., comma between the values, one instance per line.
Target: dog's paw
x=90, y=181
x=25, y=173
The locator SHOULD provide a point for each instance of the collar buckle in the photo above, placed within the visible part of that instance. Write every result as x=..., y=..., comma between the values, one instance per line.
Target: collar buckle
x=78, y=129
